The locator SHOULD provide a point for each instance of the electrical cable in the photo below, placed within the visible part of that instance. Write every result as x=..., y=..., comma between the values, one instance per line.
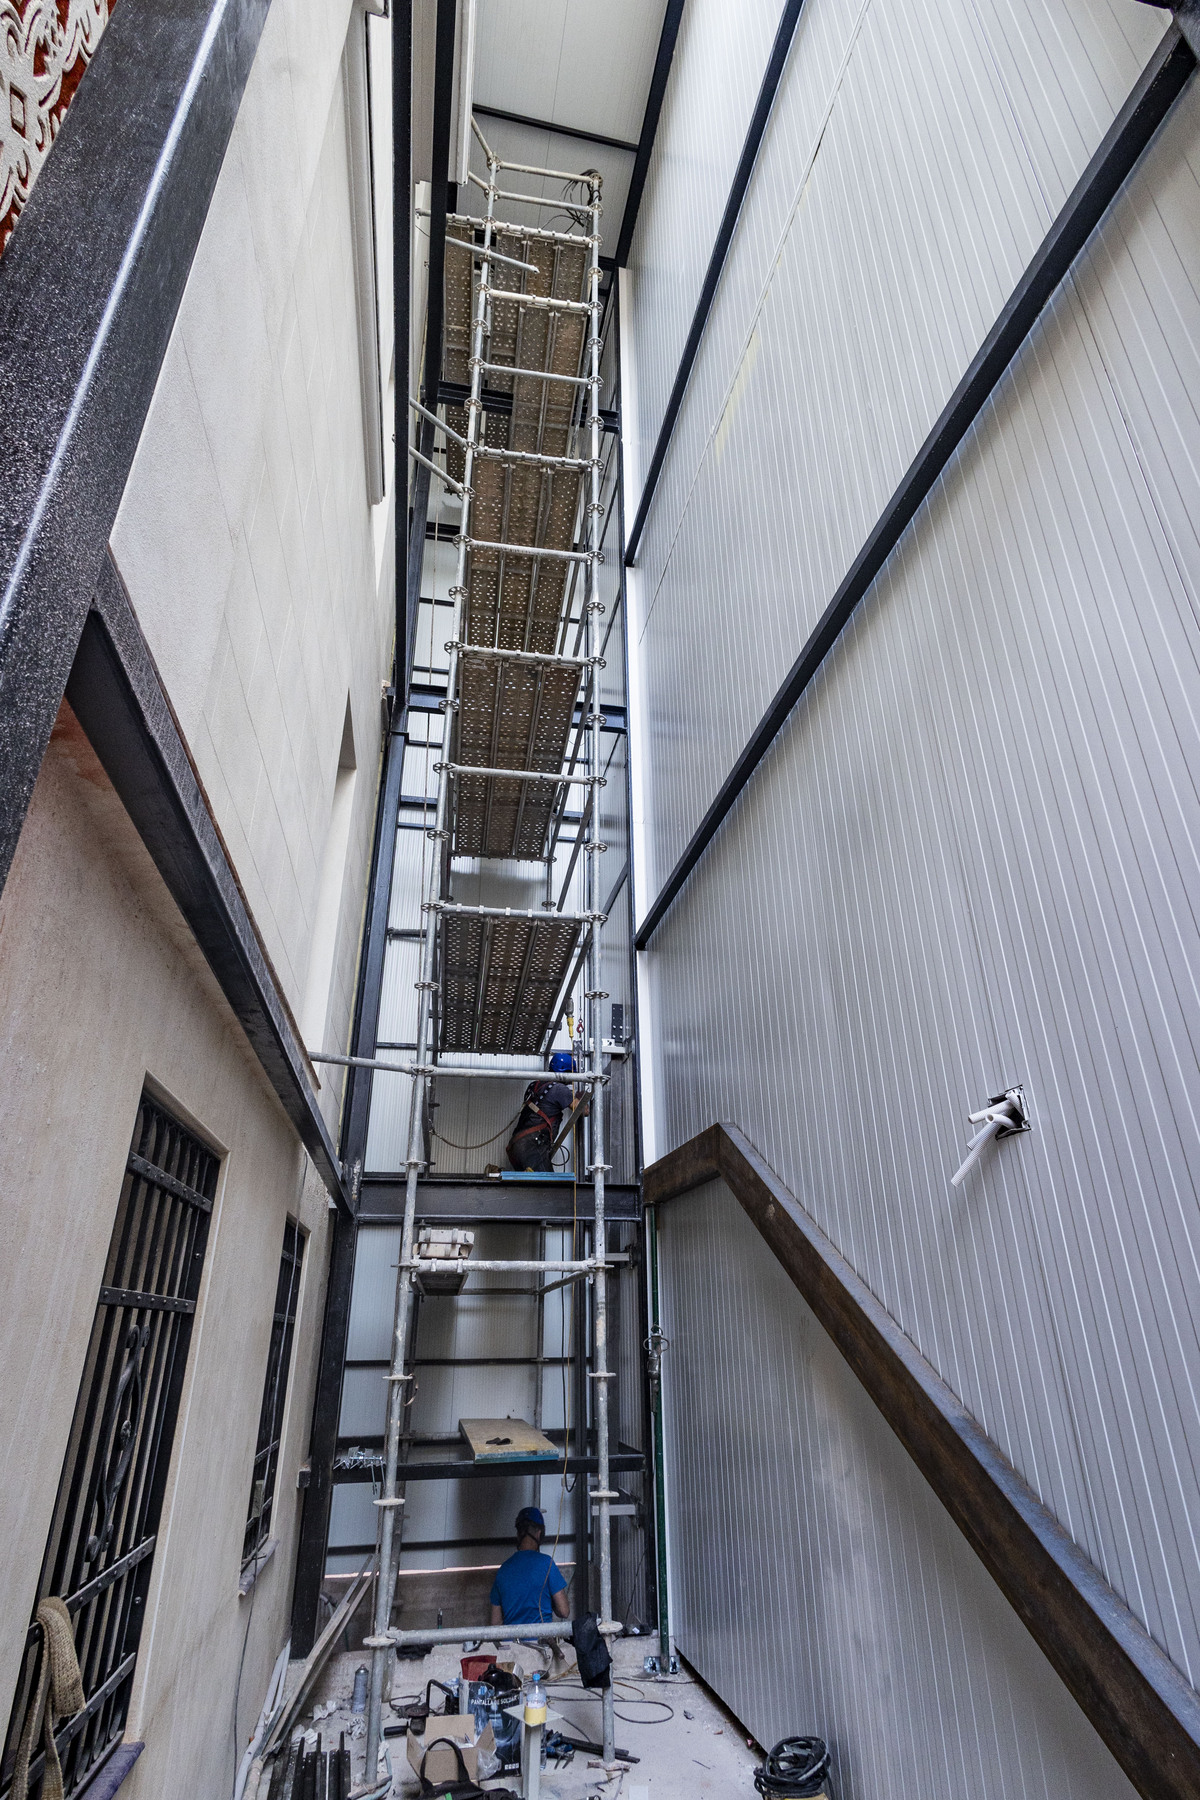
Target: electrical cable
x=637, y=1698
x=484, y=1142
x=797, y=1766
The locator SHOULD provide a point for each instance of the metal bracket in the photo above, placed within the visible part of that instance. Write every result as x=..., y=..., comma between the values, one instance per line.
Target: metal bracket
x=1005, y=1115
x=651, y=1665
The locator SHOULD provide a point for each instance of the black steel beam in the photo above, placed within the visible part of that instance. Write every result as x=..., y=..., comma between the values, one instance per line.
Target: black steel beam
x=631, y=1462
x=90, y=284
x=115, y=693
x=1143, y=1707
x=356, y=1113
x=317, y=1497
x=1187, y=16
x=1124, y=143
x=428, y=1544
x=650, y=1547
x=654, y=103
x=567, y=131
x=439, y=193
x=402, y=191
x=467, y=1200
x=752, y=143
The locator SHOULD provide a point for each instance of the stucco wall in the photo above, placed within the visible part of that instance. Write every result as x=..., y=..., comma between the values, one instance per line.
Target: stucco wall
x=245, y=533
x=100, y=989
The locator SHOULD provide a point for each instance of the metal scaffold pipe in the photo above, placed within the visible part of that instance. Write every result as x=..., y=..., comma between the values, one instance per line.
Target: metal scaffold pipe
x=502, y=1072
x=473, y=1634
x=561, y=933
x=389, y=1527
x=592, y=904
x=505, y=228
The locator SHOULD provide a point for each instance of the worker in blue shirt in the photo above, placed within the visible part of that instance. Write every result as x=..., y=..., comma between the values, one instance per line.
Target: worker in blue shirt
x=529, y=1588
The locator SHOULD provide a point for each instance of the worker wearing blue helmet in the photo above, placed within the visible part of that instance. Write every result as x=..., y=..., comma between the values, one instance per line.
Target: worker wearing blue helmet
x=541, y=1114
x=529, y=1588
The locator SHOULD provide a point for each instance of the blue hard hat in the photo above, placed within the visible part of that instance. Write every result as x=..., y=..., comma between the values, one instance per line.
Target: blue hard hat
x=562, y=1063
x=530, y=1515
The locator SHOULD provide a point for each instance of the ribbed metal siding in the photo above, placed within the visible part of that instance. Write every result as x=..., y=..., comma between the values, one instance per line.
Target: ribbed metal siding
x=720, y=55
x=818, y=1584
x=971, y=858
x=917, y=154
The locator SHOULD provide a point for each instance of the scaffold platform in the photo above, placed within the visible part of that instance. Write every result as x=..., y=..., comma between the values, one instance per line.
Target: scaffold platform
x=514, y=715
x=500, y=978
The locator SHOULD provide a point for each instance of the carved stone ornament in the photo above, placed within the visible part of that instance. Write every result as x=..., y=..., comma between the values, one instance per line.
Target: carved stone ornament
x=45, y=45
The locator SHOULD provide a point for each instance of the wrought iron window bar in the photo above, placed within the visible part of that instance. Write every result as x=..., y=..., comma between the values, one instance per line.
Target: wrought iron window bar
x=104, y=1529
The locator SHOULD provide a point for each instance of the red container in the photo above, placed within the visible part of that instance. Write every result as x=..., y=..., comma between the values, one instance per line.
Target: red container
x=474, y=1668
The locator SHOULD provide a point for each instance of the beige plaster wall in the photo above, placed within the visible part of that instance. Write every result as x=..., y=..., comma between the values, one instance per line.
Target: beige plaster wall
x=245, y=534
x=101, y=987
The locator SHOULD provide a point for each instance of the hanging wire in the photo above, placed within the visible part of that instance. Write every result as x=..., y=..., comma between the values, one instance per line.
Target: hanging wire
x=484, y=1142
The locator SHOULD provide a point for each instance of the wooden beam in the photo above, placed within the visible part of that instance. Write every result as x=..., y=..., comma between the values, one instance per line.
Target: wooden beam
x=1138, y=1701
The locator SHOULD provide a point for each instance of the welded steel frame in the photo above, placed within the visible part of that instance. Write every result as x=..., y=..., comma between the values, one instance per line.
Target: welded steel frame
x=424, y=1068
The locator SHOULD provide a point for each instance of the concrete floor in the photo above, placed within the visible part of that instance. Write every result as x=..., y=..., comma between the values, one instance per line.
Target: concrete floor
x=697, y=1751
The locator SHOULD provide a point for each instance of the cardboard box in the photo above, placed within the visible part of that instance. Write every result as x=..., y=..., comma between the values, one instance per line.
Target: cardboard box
x=442, y=1764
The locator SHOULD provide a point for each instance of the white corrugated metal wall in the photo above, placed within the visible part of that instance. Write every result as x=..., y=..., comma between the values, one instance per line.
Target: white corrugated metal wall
x=971, y=856
x=805, y=1529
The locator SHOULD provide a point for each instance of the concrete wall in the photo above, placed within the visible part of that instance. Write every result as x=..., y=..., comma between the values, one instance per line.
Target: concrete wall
x=245, y=534
x=263, y=582
x=101, y=990
x=968, y=859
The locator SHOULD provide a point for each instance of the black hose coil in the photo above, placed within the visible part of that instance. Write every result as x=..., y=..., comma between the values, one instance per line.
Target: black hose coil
x=796, y=1766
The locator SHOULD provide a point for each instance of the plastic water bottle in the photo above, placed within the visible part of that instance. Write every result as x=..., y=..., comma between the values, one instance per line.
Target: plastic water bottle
x=535, y=1701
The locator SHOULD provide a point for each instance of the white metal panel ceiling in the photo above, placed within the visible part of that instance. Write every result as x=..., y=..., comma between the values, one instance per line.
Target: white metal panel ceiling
x=568, y=61
x=544, y=149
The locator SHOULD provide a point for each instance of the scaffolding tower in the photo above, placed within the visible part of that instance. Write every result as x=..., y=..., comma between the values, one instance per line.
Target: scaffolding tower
x=523, y=724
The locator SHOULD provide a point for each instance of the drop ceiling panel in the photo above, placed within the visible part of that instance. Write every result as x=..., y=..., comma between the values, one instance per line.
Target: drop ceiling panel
x=571, y=62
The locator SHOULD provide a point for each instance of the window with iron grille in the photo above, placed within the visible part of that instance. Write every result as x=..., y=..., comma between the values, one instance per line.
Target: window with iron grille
x=270, y=1424
x=102, y=1535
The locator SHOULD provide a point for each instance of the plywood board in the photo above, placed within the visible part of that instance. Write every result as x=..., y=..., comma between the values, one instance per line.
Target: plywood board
x=507, y=1440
